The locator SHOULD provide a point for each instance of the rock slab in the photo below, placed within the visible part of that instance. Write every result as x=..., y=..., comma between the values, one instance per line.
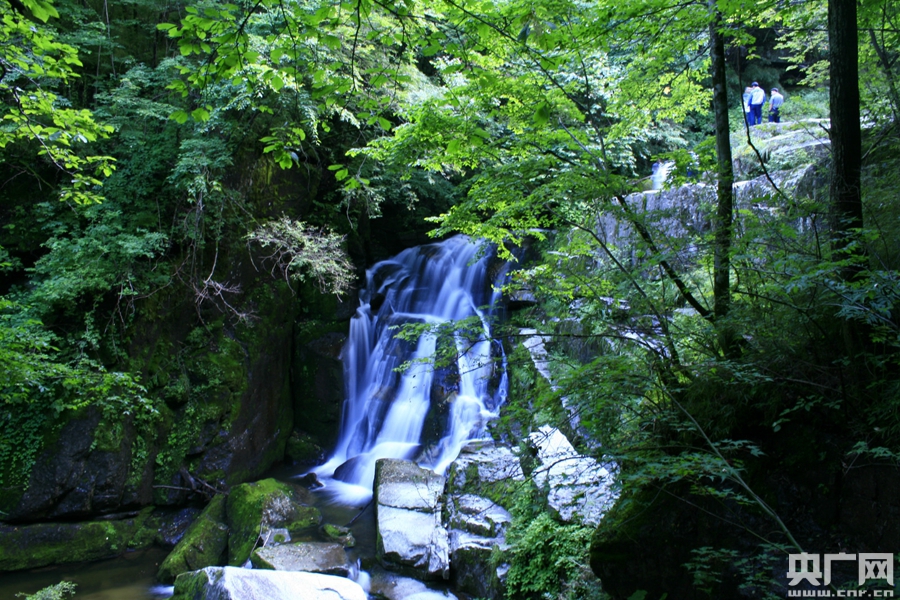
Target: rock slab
x=328, y=558
x=479, y=480
x=577, y=487
x=232, y=583
x=408, y=505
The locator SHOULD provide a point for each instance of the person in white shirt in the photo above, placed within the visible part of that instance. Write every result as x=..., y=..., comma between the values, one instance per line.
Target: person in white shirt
x=775, y=103
x=746, y=99
x=757, y=99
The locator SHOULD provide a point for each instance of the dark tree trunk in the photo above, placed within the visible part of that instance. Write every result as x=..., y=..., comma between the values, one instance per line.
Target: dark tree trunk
x=846, y=145
x=725, y=191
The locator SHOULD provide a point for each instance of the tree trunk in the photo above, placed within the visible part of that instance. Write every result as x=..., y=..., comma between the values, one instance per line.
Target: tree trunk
x=725, y=168
x=846, y=145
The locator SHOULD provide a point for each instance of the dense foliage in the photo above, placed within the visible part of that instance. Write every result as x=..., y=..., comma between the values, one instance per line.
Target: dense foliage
x=142, y=149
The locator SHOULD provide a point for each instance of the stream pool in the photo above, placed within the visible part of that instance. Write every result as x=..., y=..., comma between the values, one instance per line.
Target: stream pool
x=131, y=577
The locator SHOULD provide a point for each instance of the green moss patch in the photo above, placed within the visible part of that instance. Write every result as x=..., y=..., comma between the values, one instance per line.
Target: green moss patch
x=203, y=544
x=253, y=508
x=33, y=546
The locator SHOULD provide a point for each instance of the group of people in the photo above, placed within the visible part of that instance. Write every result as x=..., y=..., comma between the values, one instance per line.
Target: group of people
x=754, y=99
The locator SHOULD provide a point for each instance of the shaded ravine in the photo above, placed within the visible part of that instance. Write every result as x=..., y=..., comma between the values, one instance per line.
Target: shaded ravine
x=391, y=386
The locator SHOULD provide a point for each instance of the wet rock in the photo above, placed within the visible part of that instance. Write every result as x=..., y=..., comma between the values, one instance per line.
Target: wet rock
x=230, y=583
x=479, y=516
x=396, y=587
x=302, y=449
x=341, y=535
x=311, y=481
x=254, y=509
x=71, y=478
x=473, y=566
x=318, y=393
x=484, y=469
x=171, y=525
x=32, y=546
x=314, y=557
x=408, y=504
x=203, y=544
x=577, y=487
x=482, y=477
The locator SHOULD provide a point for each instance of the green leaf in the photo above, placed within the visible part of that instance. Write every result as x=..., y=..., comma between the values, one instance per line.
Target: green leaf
x=200, y=114
x=542, y=114
x=179, y=116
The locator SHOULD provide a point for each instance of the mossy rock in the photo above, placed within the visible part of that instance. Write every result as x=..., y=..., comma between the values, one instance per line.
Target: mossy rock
x=302, y=449
x=32, y=546
x=339, y=534
x=253, y=508
x=203, y=544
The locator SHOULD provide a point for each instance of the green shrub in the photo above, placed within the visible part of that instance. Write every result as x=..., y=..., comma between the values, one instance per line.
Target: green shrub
x=58, y=591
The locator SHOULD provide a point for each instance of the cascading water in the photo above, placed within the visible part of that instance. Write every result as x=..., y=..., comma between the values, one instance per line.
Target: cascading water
x=386, y=406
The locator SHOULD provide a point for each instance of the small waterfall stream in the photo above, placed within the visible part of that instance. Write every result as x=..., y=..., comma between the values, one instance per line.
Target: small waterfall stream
x=386, y=407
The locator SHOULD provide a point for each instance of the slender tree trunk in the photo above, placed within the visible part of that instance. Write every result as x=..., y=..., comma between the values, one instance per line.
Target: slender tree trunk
x=846, y=147
x=846, y=144
x=725, y=168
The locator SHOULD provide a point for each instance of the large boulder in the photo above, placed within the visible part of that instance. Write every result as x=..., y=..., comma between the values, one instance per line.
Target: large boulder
x=263, y=512
x=479, y=480
x=578, y=488
x=203, y=545
x=230, y=583
x=408, y=504
x=73, y=476
x=314, y=557
x=485, y=469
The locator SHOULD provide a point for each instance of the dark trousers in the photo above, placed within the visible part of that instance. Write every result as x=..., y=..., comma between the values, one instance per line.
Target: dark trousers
x=774, y=117
x=756, y=114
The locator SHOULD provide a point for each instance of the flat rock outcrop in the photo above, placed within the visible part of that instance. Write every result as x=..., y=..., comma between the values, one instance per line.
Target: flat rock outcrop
x=328, y=558
x=409, y=501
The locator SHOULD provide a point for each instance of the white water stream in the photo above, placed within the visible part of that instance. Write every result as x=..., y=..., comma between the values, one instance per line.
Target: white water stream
x=385, y=407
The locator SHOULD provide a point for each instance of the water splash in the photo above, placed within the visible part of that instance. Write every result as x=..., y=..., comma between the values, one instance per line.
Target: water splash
x=386, y=406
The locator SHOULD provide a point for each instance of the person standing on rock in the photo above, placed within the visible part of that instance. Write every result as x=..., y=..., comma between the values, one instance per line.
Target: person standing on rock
x=757, y=99
x=775, y=103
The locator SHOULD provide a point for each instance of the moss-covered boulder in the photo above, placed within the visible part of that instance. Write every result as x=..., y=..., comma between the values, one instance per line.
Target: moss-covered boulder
x=32, y=546
x=255, y=509
x=203, y=545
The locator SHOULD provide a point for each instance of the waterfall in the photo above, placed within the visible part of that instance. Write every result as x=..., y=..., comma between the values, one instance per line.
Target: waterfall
x=660, y=173
x=390, y=382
